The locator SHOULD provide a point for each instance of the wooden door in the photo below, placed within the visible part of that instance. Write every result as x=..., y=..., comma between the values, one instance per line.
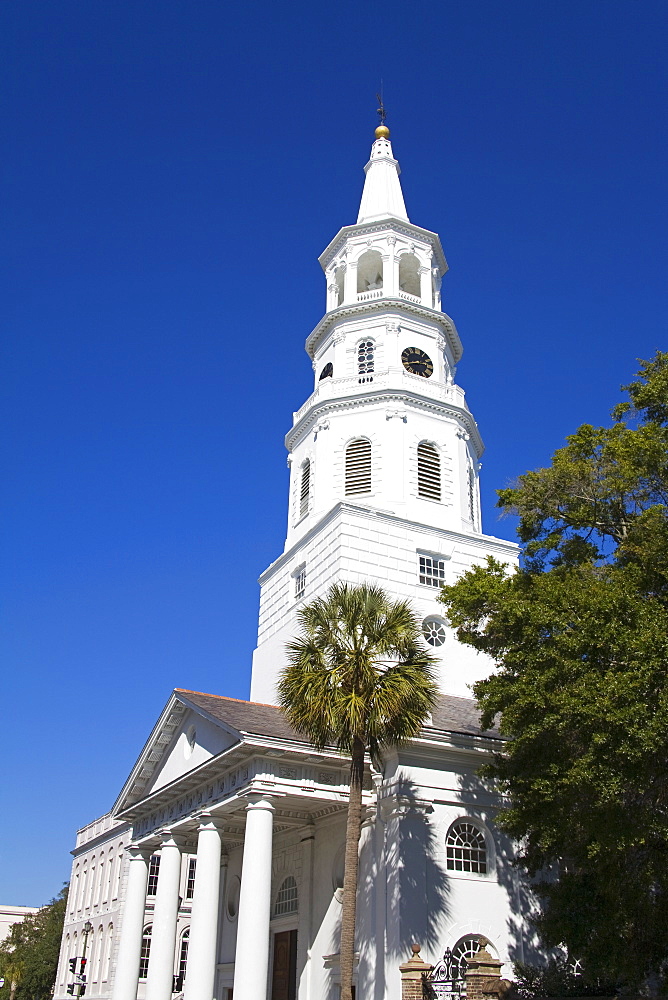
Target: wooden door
x=284, y=973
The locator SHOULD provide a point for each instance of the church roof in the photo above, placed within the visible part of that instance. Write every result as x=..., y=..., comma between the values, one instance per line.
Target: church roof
x=451, y=714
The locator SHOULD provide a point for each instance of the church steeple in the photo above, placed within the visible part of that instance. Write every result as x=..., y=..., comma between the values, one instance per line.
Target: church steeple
x=382, y=197
x=384, y=455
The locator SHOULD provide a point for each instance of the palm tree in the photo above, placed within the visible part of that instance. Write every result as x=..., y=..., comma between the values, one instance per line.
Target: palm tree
x=358, y=678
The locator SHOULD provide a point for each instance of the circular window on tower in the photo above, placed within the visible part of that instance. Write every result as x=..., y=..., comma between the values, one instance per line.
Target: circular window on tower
x=433, y=629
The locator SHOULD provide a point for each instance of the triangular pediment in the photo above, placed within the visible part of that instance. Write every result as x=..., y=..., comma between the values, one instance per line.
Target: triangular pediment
x=184, y=738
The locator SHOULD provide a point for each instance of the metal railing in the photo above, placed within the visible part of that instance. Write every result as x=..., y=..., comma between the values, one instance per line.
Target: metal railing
x=446, y=981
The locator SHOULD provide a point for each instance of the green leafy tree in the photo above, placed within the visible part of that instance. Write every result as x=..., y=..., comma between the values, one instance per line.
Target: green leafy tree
x=29, y=954
x=358, y=678
x=580, y=638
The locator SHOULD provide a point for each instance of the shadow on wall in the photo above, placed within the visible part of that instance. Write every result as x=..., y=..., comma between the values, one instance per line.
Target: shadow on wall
x=523, y=941
x=416, y=887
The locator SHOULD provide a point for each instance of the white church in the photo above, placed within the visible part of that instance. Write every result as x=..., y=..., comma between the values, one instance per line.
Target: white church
x=218, y=870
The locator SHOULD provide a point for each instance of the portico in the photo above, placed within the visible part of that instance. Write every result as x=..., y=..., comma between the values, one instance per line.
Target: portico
x=256, y=788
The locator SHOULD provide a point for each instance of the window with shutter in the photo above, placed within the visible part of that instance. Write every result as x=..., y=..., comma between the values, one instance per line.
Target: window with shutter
x=358, y=467
x=305, y=489
x=429, y=471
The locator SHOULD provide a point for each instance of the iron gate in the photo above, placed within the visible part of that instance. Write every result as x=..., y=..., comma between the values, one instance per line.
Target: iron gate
x=446, y=981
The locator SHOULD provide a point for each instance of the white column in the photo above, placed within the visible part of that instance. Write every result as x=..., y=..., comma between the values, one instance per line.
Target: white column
x=132, y=927
x=165, y=914
x=390, y=272
x=426, y=293
x=350, y=283
x=304, y=931
x=201, y=970
x=251, y=962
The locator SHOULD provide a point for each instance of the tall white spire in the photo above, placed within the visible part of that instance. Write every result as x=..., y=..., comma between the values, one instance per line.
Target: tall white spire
x=382, y=197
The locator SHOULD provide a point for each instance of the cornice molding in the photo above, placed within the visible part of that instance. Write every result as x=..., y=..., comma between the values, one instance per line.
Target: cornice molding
x=392, y=306
x=387, y=395
x=407, y=229
x=343, y=506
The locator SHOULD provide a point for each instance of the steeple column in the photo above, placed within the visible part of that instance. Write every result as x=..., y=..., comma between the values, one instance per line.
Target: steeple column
x=390, y=273
x=350, y=283
x=425, y=287
x=332, y=290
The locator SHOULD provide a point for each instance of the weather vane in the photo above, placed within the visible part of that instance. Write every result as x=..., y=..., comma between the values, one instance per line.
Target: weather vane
x=382, y=113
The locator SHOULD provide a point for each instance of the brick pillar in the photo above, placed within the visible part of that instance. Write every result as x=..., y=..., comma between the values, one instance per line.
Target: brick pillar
x=483, y=977
x=411, y=975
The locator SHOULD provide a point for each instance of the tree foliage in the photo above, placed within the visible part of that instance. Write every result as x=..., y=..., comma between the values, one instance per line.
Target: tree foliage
x=359, y=678
x=29, y=954
x=580, y=638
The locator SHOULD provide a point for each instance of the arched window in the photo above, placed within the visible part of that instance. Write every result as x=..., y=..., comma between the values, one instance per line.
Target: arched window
x=110, y=944
x=305, y=488
x=287, y=900
x=365, y=360
x=100, y=881
x=429, y=471
x=74, y=890
x=465, y=848
x=100, y=954
x=145, y=951
x=409, y=274
x=119, y=871
x=358, y=467
x=110, y=876
x=369, y=272
x=90, y=884
x=66, y=955
x=327, y=372
x=183, y=954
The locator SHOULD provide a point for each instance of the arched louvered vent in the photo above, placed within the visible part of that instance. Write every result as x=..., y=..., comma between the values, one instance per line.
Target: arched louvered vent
x=358, y=467
x=429, y=471
x=305, y=488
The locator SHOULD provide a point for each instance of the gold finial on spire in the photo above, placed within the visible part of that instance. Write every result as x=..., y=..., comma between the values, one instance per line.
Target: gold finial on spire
x=382, y=132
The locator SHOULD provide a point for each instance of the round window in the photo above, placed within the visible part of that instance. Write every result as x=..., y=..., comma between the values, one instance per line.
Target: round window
x=434, y=632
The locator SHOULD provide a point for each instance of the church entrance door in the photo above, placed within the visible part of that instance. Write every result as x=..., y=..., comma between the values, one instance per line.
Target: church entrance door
x=284, y=973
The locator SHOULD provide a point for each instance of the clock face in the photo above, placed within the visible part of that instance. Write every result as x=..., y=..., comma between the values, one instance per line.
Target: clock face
x=417, y=362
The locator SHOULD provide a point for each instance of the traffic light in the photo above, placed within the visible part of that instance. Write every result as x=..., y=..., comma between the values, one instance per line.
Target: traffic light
x=70, y=989
x=73, y=965
x=82, y=968
x=82, y=989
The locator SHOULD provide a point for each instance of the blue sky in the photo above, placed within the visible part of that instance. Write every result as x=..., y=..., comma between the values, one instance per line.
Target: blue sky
x=171, y=172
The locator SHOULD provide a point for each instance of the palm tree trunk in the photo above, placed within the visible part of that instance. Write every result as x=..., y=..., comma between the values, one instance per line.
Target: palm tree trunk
x=353, y=828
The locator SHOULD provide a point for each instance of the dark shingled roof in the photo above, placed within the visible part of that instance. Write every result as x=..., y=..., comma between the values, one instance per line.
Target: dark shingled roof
x=454, y=715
